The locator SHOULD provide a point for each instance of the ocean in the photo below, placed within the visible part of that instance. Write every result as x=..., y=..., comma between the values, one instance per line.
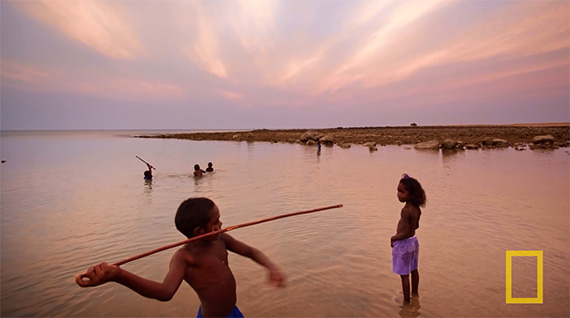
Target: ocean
x=71, y=199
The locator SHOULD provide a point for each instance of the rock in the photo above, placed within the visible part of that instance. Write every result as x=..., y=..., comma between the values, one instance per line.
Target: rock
x=234, y=137
x=310, y=142
x=448, y=144
x=519, y=146
x=310, y=135
x=344, y=146
x=327, y=140
x=487, y=141
x=500, y=143
x=369, y=144
x=432, y=144
x=543, y=139
x=471, y=146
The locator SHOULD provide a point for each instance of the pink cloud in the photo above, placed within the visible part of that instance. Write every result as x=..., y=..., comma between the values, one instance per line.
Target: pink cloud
x=96, y=24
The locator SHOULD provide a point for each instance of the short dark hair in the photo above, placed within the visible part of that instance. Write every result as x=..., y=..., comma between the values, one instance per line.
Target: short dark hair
x=417, y=194
x=193, y=213
x=196, y=166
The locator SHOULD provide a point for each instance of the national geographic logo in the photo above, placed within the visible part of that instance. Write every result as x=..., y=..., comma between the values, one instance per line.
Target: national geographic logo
x=539, y=276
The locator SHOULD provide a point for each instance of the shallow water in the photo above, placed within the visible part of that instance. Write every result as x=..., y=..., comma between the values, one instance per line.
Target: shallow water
x=72, y=199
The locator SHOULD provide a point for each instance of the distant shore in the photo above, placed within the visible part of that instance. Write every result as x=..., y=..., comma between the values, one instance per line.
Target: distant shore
x=514, y=135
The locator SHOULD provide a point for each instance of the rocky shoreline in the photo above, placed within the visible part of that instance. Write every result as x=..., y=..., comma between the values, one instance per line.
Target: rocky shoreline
x=520, y=137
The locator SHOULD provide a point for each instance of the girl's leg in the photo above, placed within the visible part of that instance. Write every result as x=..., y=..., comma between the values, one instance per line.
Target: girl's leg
x=406, y=286
x=415, y=282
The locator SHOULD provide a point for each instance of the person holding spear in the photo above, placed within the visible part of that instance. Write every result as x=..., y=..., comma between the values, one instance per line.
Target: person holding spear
x=147, y=173
x=201, y=262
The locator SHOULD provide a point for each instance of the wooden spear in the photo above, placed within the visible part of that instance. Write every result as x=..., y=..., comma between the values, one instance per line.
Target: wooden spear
x=227, y=229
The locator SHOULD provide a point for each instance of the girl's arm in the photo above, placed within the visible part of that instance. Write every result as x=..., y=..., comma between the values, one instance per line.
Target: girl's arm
x=276, y=277
x=164, y=291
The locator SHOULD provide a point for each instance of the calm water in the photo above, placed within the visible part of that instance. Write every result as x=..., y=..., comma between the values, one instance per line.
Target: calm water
x=73, y=199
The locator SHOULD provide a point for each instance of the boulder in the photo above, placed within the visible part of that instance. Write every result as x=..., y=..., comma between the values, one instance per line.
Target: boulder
x=487, y=141
x=545, y=139
x=310, y=142
x=369, y=144
x=500, y=143
x=310, y=135
x=448, y=144
x=344, y=146
x=432, y=144
x=327, y=140
x=471, y=146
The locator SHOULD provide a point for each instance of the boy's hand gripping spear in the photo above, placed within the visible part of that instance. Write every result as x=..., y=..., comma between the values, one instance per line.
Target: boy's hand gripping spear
x=227, y=229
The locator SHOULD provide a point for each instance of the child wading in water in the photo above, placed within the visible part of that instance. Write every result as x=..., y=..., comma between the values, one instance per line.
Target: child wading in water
x=198, y=172
x=405, y=246
x=203, y=264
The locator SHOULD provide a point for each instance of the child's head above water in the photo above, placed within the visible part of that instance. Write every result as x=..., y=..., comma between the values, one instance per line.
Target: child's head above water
x=196, y=167
x=416, y=194
x=194, y=213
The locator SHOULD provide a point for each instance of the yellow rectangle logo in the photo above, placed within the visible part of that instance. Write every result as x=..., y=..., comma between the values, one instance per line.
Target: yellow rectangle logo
x=539, y=270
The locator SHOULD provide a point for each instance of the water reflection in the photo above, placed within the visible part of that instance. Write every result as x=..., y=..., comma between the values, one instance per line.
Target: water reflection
x=450, y=152
x=148, y=185
x=410, y=308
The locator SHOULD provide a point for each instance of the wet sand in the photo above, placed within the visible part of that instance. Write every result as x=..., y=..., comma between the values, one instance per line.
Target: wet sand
x=513, y=134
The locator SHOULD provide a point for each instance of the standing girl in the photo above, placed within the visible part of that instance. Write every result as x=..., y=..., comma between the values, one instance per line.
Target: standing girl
x=405, y=246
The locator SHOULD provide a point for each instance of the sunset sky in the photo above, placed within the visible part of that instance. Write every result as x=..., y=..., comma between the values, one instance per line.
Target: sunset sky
x=282, y=64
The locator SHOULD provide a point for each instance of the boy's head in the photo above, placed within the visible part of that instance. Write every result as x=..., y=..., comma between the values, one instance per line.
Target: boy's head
x=415, y=193
x=195, y=216
x=196, y=167
x=147, y=173
x=209, y=164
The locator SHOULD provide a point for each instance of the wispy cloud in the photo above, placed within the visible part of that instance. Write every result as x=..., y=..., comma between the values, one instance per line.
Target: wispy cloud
x=206, y=50
x=402, y=15
x=24, y=77
x=96, y=24
x=231, y=95
x=269, y=56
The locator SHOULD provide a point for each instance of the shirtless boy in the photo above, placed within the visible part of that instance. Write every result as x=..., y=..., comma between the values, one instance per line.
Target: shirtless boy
x=203, y=264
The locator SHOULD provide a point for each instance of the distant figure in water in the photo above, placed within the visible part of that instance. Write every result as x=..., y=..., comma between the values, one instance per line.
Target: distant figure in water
x=210, y=167
x=405, y=246
x=203, y=264
x=198, y=172
x=318, y=144
x=148, y=173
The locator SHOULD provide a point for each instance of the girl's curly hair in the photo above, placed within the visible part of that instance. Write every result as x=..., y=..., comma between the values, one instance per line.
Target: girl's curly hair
x=417, y=194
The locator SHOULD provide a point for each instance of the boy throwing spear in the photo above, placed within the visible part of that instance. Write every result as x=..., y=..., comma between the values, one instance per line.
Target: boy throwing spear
x=202, y=263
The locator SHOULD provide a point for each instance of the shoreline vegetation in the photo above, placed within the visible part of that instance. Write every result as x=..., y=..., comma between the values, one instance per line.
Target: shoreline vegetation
x=518, y=136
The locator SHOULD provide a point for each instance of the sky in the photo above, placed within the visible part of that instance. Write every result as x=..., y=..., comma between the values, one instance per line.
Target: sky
x=251, y=64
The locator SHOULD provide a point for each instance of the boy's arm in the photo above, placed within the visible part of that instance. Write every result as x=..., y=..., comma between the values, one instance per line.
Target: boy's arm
x=238, y=247
x=403, y=226
x=164, y=291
